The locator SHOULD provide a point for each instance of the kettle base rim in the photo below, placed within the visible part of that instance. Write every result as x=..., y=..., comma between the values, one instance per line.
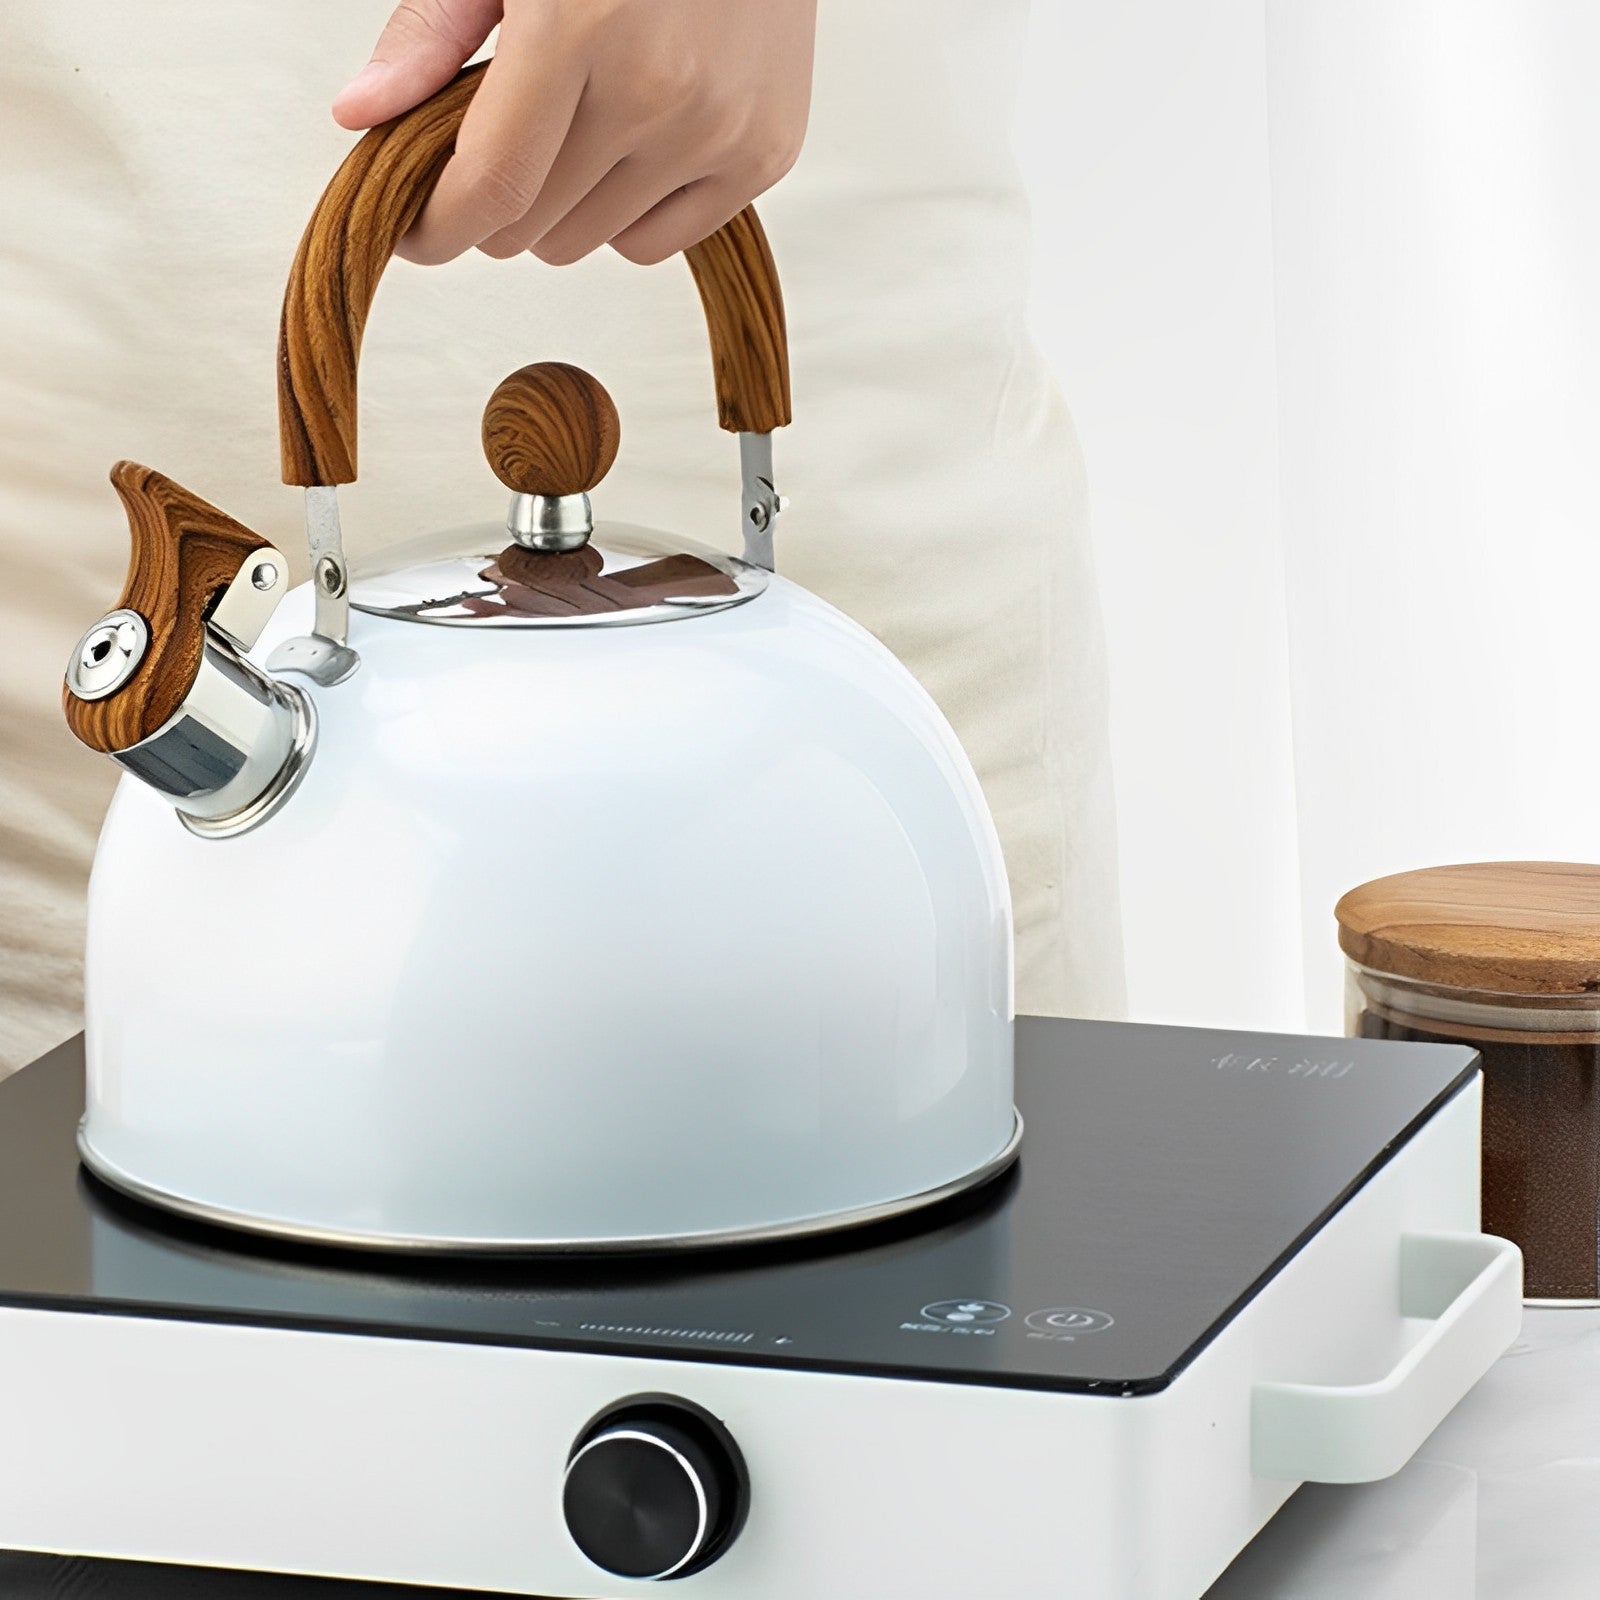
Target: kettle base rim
x=792, y=1231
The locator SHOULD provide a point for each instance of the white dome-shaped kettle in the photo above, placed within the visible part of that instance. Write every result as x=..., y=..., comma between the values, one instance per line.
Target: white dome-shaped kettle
x=543, y=885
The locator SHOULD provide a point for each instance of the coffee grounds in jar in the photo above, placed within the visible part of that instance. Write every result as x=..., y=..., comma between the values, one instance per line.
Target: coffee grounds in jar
x=1541, y=1147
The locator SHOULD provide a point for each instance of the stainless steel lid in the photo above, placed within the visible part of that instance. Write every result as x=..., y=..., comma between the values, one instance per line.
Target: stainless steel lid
x=481, y=577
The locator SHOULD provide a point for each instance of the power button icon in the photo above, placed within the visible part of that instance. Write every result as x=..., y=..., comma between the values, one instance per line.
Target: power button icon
x=1064, y=1321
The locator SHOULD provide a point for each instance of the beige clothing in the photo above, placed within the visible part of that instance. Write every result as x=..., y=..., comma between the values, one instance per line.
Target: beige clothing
x=156, y=166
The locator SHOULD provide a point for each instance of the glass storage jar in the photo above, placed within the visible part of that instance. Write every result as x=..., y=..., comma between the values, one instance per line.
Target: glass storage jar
x=1503, y=956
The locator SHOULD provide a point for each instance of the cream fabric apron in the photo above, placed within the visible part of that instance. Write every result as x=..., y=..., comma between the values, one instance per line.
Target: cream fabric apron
x=157, y=163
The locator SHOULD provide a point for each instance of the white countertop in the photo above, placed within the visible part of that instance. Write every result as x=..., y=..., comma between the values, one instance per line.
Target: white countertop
x=1502, y=1503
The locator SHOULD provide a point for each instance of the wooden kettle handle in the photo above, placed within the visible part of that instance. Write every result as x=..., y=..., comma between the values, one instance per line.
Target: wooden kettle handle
x=375, y=197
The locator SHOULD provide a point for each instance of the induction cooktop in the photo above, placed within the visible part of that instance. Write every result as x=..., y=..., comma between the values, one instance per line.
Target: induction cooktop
x=1166, y=1176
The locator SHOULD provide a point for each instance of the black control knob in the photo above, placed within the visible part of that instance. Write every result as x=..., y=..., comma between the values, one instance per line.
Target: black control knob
x=655, y=1488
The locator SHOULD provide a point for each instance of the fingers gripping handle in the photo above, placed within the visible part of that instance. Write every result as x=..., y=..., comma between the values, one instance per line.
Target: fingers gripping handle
x=373, y=199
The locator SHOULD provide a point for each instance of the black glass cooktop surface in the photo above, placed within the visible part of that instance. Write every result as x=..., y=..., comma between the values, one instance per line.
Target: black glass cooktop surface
x=1166, y=1174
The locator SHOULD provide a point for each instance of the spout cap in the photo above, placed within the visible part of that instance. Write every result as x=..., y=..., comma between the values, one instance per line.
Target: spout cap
x=132, y=670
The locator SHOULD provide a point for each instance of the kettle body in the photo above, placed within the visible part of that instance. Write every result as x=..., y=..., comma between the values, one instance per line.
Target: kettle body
x=617, y=936
x=544, y=886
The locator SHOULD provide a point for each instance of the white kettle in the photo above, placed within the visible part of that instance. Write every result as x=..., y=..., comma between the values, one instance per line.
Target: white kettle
x=586, y=889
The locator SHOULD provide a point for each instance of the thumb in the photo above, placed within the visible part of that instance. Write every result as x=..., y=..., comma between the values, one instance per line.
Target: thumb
x=420, y=50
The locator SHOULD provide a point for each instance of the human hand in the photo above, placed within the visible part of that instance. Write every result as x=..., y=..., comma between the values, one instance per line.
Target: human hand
x=645, y=124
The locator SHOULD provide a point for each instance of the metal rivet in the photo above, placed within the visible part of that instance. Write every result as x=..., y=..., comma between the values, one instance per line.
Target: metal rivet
x=264, y=576
x=330, y=576
x=108, y=655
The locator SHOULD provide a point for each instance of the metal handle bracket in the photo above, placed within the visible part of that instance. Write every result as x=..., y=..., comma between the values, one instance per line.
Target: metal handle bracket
x=323, y=655
x=761, y=504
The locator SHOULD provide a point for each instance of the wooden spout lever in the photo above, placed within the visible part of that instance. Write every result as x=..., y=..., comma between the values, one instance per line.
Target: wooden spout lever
x=185, y=555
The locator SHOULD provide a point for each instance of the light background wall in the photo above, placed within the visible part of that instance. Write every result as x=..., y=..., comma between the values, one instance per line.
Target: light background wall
x=1318, y=277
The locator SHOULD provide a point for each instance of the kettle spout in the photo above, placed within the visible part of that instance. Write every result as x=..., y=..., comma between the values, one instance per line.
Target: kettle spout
x=161, y=683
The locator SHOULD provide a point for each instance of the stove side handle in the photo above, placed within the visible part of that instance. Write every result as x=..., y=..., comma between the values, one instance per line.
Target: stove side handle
x=1469, y=1287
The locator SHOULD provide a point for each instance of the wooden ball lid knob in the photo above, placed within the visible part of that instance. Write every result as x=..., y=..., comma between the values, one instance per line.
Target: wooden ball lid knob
x=550, y=429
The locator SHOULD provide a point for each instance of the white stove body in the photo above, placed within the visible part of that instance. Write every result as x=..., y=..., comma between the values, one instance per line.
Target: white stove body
x=440, y=1463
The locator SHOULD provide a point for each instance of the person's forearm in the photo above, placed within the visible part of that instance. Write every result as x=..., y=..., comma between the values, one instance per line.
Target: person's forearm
x=644, y=124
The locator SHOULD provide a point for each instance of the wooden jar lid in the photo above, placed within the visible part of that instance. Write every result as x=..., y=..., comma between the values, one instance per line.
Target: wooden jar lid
x=1504, y=927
